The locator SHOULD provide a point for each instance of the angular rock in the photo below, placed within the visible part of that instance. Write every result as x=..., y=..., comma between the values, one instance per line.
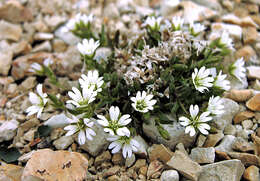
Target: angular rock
x=231, y=109
x=170, y=175
x=43, y=36
x=247, y=124
x=10, y=172
x=130, y=161
x=99, y=142
x=254, y=103
x=25, y=157
x=247, y=52
x=253, y=72
x=185, y=166
x=111, y=171
x=175, y=130
x=66, y=36
x=230, y=170
x=56, y=165
x=203, y=155
x=104, y=157
x=8, y=130
x=10, y=31
x=241, y=116
x=242, y=145
x=226, y=143
x=231, y=18
x=249, y=35
x=252, y=173
x=5, y=61
x=213, y=139
x=230, y=130
x=45, y=46
x=246, y=158
x=153, y=169
x=240, y=95
x=235, y=31
x=63, y=142
x=159, y=152
x=237, y=84
x=143, y=146
x=118, y=159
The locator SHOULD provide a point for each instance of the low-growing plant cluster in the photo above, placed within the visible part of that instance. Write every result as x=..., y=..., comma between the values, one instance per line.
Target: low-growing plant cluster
x=166, y=67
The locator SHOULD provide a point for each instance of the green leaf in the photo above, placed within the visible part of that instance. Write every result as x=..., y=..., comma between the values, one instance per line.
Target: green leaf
x=164, y=119
x=44, y=131
x=56, y=102
x=164, y=133
x=9, y=155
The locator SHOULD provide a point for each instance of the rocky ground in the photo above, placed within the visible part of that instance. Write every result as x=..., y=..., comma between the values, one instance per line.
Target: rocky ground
x=31, y=30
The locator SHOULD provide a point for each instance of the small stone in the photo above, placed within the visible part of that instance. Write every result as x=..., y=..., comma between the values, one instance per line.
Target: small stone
x=213, y=139
x=130, y=161
x=143, y=146
x=235, y=31
x=180, y=147
x=56, y=165
x=104, y=157
x=241, y=116
x=59, y=45
x=246, y=52
x=63, y=142
x=43, y=36
x=249, y=35
x=25, y=157
x=230, y=130
x=8, y=130
x=231, y=18
x=138, y=164
x=102, y=54
x=254, y=103
x=153, y=168
x=10, y=31
x=67, y=37
x=248, y=21
x=54, y=21
x=111, y=171
x=10, y=172
x=246, y=158
x=203, y=155
x=5, y=61
x=170, y=175
x=253, y=72
x=143, y=170
x=242, y=145
x=22, y=47
x=45, y=46
x=118, y=159
x=29, y=124
x=29, y=135
x=184, y=165
x=113, y=178
x=247, y=124
x=240, y=95
x=159, y=152
x=226, y=143
x=28, y=83
x=230, y=170
x=252, y=173
x=222, y=155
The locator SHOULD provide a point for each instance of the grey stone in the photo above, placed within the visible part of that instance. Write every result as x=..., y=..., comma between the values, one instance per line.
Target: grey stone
x=175, y=130
x=8, y=130
x=226, y=143
x=102, y=53
x=99, y=142
x=230, y=170
x=45, y=46
x=24, y=158
x=5, y=61
x=230, y=130
x=231, y=109
x=170, y=175
x=57, y=121
x=66, y=36
x=236, y=84
x=212, y=4
x=63, y=142
x=203, y=155
x=142, y=149
x=130, y=161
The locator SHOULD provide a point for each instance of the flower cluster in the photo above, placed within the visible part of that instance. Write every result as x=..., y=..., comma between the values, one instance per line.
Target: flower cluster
x=80, y=20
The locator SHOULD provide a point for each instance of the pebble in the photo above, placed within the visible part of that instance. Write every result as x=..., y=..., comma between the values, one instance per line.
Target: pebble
x=10, y=31
x=246, y=158
x=230, y=130
x=139, y=164
x=104, y=157
x=247, y=52
x=253, y=72
x=45, y=46
x=118, y=159
x=111, y=171
x=226, y=143
x=213, y=139
x=247, y=124
x=43, y=36
x=203, y=155
x=5, y=61
x=8, y=130
x=254, y=103
x=239, y=95
x=241, y=116
x=63, y=142
x=169, y=175
x=249, y=35
x=143, y=146
x=159, y=152
x=185, y=166
x=154, y=169
x=252, y=173
x=242, y=145
x=130, y=161
x=9, y=172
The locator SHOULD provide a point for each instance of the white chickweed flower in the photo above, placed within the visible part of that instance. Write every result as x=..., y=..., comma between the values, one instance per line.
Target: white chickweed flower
x=177, y=22
x=87, y=96
x=82, y=127
x=153, y=23
x=196, y=28
x=220, y=82
x=143, y=102
x=226, y=40
x=128, y=145
x=215, y=106
x=196, y=122
x=201, y=79
x=36, y=68
x=237, y=69
x=88, y=47
x=79, y=20
x=91, y=79
x=38, y=100
x=47, y=62
x=115, y=124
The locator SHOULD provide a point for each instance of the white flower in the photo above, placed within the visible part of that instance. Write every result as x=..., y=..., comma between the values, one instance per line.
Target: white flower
x=199, y=45
x=215, y=106
x=88, y=95
x=143, y=102
x=196, y=122
x=47, y=62
x=153, y=23
x=177, y=22
x=79, y=19
x=39, y=101
x=115, y=124
x=82, y=127
x=226, y=40
x=88, y=47
x=237, y=69
x=220, y=82
x=91, y=79
x=36, y=68
x=128, y=145
x=196, y=28
x=201, y=79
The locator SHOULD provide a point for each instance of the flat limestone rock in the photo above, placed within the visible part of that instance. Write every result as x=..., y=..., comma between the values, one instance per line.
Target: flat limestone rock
x=56, y=165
